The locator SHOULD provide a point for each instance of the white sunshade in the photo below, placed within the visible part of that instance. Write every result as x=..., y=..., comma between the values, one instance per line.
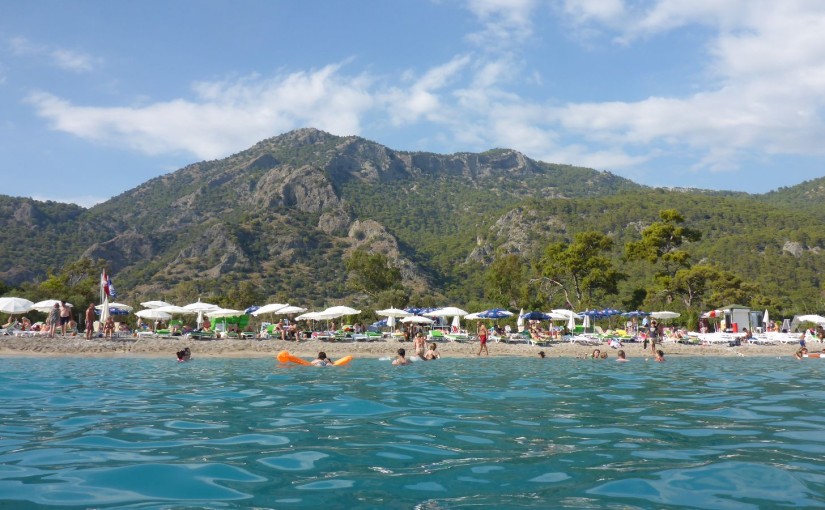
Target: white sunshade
x=472, y=316
x=199, y=307
x=341, y=310
x=154, y=314
x=270, y=308
x=565, y=314
x=318, y=316
x=119, y=306
x=15, y=305
x=393, y=312
x=47, y=305
x=449, y=311
x=155, y=304
x=818, y=319
x=172, y=309
x=223, y=312
x=665, y=315
x=417, y=319
x=290, y=310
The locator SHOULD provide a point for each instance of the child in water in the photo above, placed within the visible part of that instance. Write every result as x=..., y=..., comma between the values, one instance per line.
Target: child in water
x=184, y=355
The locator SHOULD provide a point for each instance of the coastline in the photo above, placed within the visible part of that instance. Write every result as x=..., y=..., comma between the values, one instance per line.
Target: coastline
x=230, y=348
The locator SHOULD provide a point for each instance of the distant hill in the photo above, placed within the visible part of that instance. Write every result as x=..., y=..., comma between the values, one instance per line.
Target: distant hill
x=284, y=214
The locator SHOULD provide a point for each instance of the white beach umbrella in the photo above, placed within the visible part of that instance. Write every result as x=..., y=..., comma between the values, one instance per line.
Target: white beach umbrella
x=393, y=312
x=472, y=316
x=416, y=319
x=571, y=322
x=520, y=321
x=223, y=312
x=154, y=314
x=270, y=308
x=566, y=314
x=47, y=305
x=199, y=306
x=119, y=306
x=456, y=323
x=155, y=304
x=288, y=310
x=15, y=305
x=817, y=319
x=766, y=318
x=341, y=310
x=449, y=311
x=665, y=315
x=172, y=309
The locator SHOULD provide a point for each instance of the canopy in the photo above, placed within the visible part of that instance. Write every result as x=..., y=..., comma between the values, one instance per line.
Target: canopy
x=495, y=313
x=665, y=315
x=818, y=319
x=393, y=312
x=172, y=309
x=567, y=313
x=290, y=310
x=536, y=316
x=47, y=305
x=199, y=307
x=449, y=311
x=341, y=310
x=417, y=319
x=155, y=304
x=223, y=312
x=153, y=314
x=270, y=308
x=635, y=313
x=119, y=306
x=15, y=305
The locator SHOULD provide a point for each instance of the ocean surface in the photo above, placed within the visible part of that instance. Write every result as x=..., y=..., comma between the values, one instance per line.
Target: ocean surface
x=711, y=433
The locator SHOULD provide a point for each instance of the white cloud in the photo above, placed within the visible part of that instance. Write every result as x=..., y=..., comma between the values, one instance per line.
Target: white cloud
x=504, y=22
x=224, y=117
x=63, y=58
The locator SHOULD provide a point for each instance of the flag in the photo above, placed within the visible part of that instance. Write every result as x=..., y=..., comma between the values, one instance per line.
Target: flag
x=106, y=286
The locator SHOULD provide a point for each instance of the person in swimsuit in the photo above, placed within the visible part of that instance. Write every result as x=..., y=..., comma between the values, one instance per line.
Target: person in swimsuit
x=419, y=345
x=401, y=359
x=322, y=360
x=90, y=321
x=482, y=340
x=431, y=354
x=53, y=320
x=65, y=316
x=660, y=356
x=621, y=356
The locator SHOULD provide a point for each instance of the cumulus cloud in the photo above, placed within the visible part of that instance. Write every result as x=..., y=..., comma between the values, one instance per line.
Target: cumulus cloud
x=223, y=117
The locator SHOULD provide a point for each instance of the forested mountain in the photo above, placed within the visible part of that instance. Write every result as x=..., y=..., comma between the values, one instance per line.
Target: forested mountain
x=280, y=220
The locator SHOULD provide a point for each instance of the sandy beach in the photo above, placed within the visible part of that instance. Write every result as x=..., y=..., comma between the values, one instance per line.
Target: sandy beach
x=254, y=348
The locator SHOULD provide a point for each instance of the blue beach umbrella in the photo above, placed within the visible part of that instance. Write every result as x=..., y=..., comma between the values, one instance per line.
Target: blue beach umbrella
x=635, y=313
x=536, y=316
x=495, y=313
x=251, y=309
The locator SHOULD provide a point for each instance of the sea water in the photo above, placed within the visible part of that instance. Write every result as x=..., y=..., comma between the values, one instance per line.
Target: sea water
x=454, y=433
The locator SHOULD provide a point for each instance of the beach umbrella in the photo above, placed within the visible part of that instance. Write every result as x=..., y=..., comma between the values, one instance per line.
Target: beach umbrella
x=172, y=309
x=219, y=313
x=341, y=310
x=665, y=315
x=449, y=311
x=153, y=314
x=520, y=321
x=289, y=310
x=471, y=317
x=456, y=324
x=47, y=305
x=495, y=313
x=417, y=319
x=766, y=318
x=390, y=321
x=15, y=305
x=270, y=308
x=817, y=319
x=119, y=306
x=537, y=316
x=199, y=307
x=635, y=313
x=566, y=313
x=394, y=312
x=155, y=304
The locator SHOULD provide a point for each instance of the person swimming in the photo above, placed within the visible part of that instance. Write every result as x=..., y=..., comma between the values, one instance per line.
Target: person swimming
x=542, y=355
x=660, y=356
x=184, y=354
x=431, y=354
x=322, y=360
x=621, y=356
x=401, y=359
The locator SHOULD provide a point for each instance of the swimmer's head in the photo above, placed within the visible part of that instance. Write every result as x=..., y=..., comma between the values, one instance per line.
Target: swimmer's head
x=322, y=355
x=541, y=354
x=402, y=352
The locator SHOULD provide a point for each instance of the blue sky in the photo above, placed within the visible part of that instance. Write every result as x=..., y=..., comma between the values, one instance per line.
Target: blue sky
x=97, y=97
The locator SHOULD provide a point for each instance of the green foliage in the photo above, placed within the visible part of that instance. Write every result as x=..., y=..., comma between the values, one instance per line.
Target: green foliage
x=582, y=268
x=371, y=273
x=506, y=281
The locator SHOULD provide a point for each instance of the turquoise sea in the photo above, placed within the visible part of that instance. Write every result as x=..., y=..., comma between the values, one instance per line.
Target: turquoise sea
x=706, y=433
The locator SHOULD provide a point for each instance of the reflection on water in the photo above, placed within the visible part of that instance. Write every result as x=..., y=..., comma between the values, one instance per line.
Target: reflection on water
x=495, y=433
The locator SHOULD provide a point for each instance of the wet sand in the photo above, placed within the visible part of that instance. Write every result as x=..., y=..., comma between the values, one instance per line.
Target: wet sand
x=254, y=348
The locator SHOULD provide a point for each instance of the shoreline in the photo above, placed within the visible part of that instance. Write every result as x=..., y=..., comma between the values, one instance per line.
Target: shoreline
x=131, y=347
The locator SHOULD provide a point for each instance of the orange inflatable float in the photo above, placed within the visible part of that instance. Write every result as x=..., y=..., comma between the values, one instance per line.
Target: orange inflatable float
x=286, y=357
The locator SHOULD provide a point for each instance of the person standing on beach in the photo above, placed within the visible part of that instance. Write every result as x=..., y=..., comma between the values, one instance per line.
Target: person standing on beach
x=90, y=321
x=482, y=339
x=53, y=320
x=65, y=316
x=420, y=345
